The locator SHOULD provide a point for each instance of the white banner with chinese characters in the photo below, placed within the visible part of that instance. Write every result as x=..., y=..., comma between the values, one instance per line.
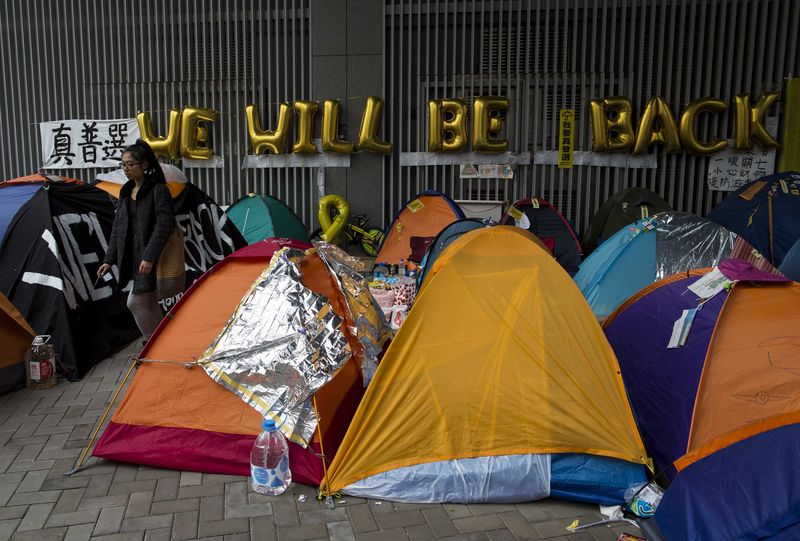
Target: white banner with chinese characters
x=84, y=144
x=731, y=169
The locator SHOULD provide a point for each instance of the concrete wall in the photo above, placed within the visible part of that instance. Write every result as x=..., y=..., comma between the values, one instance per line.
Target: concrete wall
x=347, y=64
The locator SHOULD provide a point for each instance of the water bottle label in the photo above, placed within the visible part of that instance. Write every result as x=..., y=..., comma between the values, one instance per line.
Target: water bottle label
x=276, y=477
x=46, y=369
x=36, y=373
x=259, y=475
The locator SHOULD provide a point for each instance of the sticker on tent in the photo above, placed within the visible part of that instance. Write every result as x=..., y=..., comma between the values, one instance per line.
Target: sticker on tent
x=680, y=329
x=534, y=203
x=515, y=213
x=415, y=205
x=710, y=284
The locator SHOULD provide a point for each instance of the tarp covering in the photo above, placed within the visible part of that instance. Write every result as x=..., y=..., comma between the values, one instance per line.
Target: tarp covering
x=647, y=251
x=500, y=355
x=180, y=418
x=54, y=242
x=260, y=217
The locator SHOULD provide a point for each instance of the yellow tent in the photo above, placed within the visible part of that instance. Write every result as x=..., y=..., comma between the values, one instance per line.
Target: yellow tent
x=500, y=386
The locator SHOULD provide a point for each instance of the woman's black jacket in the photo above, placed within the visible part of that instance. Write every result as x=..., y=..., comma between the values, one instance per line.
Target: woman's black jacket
x=131, y=244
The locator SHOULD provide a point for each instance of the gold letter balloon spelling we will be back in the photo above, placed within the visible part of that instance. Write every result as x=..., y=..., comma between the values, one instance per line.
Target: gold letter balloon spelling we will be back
x=187, y=135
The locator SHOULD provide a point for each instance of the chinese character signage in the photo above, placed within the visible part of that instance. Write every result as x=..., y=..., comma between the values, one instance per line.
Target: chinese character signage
x=730, y=170
x=566, y=135
x=82, y=144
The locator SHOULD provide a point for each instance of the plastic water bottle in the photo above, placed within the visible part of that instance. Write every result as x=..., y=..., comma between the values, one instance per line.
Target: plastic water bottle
x=269, y=461
x=40, y=363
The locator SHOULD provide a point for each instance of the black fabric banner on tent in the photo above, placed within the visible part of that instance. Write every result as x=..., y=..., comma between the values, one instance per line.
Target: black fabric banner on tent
x=209, y=235
x=48, y=260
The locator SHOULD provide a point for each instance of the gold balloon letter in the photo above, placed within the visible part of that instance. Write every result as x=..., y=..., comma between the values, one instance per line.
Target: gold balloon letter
x=166, y=147
x=367, y=138
x=602, y=125
x=332, y=229
x=330, y=129
x=747, y=121
x=306, y=111
x=274, y=141
x=194, y=136
x=688, y=137
x=455, y=127
x=484, y=125
x=657, y=108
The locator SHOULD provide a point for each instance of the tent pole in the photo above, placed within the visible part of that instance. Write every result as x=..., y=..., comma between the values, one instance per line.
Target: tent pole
x=77, y=467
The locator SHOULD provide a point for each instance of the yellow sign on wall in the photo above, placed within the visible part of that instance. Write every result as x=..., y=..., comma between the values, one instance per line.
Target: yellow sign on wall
x=566, y=137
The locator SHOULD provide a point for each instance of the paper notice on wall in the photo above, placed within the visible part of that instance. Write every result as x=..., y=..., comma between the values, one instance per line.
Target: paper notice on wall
x=504, y=171
x=469, y=171
x=83, y=144
x=731, y=169
x=710, y=284
x=566, y=136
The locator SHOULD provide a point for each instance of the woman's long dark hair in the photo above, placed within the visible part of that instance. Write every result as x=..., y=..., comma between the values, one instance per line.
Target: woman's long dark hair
x=143, y=153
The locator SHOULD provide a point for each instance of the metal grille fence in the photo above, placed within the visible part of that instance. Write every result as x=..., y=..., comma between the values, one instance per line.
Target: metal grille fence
x=548, y=55
x=105, y=59
x=86, y=59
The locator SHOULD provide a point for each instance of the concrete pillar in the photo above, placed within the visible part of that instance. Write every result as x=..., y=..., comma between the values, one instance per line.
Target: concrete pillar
x=347, y=64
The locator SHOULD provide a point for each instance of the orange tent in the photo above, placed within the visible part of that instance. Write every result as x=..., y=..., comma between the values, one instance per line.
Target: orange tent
x=178, y=417
x=416, y=225
x=16, y=336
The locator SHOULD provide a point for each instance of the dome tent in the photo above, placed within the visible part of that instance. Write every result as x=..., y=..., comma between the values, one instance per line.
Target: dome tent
x=721, y=413
x=16, y=336
x=543, y=220
x=416, y=225
x=260, y=217
x=174, y=417
x=53, y=236
x=624, y=207
x=520, y=391
x=445, y=237
x=766, y=213
x=649, y=250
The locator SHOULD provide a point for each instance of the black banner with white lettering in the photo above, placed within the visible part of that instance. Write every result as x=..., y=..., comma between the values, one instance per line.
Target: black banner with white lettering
x=48, y=260
x=209, y=235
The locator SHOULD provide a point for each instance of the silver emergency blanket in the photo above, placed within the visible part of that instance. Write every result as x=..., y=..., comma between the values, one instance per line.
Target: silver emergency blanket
x=282, y=344
x=685, y=241
x=487, y=479
x=370, y=325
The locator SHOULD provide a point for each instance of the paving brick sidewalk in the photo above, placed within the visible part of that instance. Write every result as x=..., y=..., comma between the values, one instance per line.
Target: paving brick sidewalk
x=42, y=433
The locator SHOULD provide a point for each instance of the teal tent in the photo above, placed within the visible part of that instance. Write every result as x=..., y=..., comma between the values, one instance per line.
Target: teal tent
x=260, y=217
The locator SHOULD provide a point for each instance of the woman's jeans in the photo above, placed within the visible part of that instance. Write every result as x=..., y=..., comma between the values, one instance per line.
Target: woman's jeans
x=146, y=311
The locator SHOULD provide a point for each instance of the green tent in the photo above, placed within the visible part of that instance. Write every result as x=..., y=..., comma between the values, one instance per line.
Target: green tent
x=260, y=217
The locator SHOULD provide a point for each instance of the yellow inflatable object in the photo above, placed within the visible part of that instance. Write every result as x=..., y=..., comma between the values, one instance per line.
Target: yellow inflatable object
x=332, y=229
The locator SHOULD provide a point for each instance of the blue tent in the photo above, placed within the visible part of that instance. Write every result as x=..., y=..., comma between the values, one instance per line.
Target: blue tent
x=647, y=251
x=445, y=237
x=719, y=414
x=790, y=267
x=766, y=213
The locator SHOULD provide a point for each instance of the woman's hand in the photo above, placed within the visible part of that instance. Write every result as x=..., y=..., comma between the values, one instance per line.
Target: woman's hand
x=102, y=269
x=145, y=267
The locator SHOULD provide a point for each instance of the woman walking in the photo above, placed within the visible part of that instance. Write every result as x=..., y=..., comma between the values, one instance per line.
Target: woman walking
x=142, y=224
